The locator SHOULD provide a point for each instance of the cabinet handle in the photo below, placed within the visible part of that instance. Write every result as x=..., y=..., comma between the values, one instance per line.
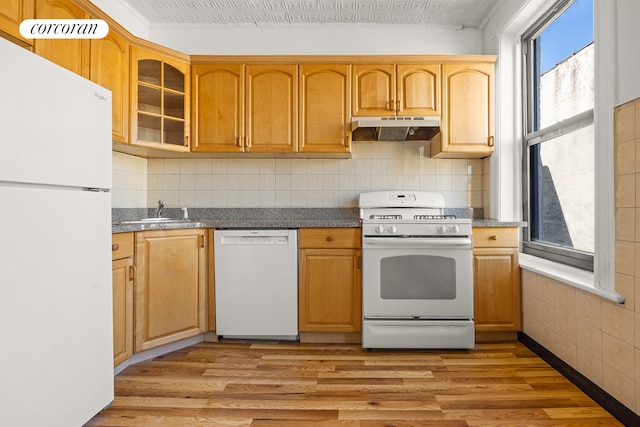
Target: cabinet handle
x=493, y=237
x=115, y=247
x=397, y=106
x=186, y=141
x=329, y=239
x=247, y=142
x=132, y=272
x=202, y=240
x=491, y=141
x=390, y=105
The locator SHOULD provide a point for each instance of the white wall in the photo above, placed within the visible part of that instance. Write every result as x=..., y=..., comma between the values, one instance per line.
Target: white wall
x=628, y=62
x=315, y=40
x=125, y=16
x=334, y=40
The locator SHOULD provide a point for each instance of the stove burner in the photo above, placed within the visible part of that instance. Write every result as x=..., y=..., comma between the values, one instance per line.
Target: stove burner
x=434, y=217
x=385, y=216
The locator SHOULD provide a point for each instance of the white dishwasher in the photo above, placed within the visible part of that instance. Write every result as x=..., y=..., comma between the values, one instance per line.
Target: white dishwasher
x=256, y=283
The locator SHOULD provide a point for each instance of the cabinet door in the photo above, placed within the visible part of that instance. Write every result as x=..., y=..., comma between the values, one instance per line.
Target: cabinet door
x=374, y=90
x=497, y=294
x=110, y=68
x=466, y=128
x=218, y=108
x=211, y=291
x=330, y=291
x=123, y=275
x=72, y=54
x=160, y=92
x=418, y=90
x=12, y=13
x=170, y=286
x=272, y=108
x=325, y=98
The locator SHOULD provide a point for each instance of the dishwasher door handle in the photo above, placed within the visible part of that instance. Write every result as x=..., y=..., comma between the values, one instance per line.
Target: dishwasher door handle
x=254, y=240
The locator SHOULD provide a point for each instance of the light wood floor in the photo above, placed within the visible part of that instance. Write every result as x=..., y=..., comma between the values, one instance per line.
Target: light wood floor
x=284, y=384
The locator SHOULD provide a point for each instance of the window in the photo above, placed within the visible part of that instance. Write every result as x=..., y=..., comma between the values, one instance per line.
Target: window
x=558, y=165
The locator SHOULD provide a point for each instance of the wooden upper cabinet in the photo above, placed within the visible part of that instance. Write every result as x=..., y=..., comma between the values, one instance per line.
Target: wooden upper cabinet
x=72, y=54
x=324, y=108
x=271, y=108
x=418, y=90
x=12, y=13
x=218, y=108
x=466, y=128
x=373, y=90
x=160, y=89
x=390, y=90
x=110, y=69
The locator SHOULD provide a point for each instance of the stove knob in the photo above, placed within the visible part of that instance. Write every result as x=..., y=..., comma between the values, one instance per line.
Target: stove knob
x=392, y=229
x=380, y=229
x=454, y=229
x=442, y=229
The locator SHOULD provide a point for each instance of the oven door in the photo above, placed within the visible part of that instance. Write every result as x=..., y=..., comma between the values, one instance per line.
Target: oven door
x=417, y=278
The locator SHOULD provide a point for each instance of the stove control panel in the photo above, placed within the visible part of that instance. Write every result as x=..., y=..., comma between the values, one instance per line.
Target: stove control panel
x=448, y=229
x=410, y=228
x=389, y=229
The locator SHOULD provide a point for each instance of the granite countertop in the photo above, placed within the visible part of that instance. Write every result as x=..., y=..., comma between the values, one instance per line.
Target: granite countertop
x=496, y=223
x=241, y=218
x=260, y=218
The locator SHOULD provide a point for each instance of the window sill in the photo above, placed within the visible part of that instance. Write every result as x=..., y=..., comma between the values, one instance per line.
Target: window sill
x=583, y=280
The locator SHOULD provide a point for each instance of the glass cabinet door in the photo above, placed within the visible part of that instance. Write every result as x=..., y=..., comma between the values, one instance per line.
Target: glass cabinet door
x=161, y=104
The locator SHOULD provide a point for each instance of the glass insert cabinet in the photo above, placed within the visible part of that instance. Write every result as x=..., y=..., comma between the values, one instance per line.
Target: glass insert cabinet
x=160, y=100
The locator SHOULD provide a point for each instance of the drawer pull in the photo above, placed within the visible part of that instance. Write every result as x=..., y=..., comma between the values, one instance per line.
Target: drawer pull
x=115, y=247
x=493, y=237
x=329, y=239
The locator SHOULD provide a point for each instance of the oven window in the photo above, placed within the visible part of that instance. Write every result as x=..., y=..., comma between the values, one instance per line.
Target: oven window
x=418, y=277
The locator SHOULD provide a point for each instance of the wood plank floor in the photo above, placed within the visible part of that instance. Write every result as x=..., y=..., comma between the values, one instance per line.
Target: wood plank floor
x=292, y=384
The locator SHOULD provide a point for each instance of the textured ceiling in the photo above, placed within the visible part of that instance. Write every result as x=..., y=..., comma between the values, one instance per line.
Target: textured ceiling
x=269, y=13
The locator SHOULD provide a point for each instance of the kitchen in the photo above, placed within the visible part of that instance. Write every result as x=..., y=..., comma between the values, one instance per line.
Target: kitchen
x=139, y=183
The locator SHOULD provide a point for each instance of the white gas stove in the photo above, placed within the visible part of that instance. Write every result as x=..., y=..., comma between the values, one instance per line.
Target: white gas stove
x=417, y=281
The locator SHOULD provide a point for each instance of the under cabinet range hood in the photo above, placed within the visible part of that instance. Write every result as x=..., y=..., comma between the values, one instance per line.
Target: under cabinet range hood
x=395, y=128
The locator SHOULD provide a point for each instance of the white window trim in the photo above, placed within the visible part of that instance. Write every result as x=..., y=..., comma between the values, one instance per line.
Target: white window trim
x=503, y=191
x=581, y=279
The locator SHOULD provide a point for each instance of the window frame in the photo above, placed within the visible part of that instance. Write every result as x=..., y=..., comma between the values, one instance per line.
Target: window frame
x=567, y=256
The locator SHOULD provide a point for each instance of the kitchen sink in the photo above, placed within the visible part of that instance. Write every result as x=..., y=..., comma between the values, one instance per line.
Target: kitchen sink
x=155, y=220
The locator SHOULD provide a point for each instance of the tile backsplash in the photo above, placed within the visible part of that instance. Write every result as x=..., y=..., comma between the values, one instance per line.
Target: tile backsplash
x=129, y=188
x=269, y=183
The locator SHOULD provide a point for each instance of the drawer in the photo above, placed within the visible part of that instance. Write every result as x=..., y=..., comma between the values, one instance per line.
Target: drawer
x=330, y=238
x=495, y=237
x=121, y=245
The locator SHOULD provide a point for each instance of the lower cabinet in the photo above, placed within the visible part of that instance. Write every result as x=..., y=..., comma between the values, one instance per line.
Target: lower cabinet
x=330, y=281
x=211, y=292
x=123, y=274
x=496, y=280
x=171, y=267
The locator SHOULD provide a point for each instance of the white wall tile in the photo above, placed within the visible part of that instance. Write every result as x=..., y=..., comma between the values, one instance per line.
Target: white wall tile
x=239, y=182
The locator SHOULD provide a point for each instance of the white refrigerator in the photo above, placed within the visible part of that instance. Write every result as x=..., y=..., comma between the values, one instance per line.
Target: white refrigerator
x=56, y=339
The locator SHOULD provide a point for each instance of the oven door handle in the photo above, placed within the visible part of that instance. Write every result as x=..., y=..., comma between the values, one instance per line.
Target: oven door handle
x=430, y=242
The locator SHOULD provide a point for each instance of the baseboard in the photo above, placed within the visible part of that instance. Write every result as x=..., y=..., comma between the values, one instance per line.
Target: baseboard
x=487, y=336
x=604, y=399
x=158, y=351
x=331, y=337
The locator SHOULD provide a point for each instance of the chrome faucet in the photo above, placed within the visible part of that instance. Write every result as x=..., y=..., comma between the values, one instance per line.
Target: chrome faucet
x=160, y=208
